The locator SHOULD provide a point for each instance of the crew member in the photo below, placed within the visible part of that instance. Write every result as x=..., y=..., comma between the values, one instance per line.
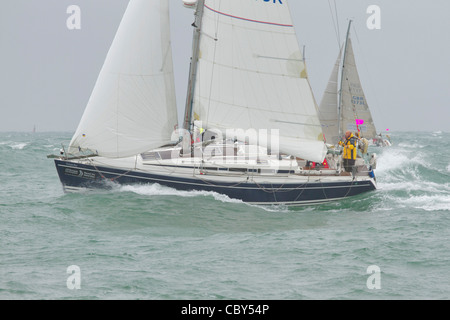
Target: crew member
x=349, y=155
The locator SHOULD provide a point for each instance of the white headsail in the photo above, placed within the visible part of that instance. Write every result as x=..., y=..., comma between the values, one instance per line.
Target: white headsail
x=329, y=106
x=251, y=75
x=132, y=108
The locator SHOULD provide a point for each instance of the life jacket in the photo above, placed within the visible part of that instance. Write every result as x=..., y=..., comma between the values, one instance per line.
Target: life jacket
x=324, y=164
x=350, y=148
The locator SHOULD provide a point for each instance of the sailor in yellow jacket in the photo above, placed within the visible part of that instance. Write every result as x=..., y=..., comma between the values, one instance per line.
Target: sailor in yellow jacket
x=350, y=151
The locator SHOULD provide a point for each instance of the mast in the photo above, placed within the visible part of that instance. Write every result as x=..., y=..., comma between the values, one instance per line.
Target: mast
x=342, y=78
x=193, y=66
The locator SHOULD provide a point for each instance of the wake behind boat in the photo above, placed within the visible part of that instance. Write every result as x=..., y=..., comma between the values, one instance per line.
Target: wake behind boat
x=251, y=129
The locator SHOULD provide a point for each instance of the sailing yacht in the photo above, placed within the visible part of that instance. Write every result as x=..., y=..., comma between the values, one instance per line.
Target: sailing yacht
x=250, y=131
x=344, y=106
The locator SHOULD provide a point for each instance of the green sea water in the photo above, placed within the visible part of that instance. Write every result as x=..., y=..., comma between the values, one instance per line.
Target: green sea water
x=152, y=242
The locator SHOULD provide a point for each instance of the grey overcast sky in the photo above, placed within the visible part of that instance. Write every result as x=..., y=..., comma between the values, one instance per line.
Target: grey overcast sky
x=48, y=71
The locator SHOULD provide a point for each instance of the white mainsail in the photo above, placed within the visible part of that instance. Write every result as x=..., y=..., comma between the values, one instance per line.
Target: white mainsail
x=132, y=108
x=251, y=75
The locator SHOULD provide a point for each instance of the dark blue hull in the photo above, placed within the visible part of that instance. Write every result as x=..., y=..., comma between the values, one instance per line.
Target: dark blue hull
x=75, y=175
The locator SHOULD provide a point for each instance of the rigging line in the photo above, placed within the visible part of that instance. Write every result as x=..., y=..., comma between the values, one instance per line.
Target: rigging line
x=323, y=189
x=207, y=182
x=213, y=66
x=111, y=179
x=349, y=188
x=281, y=188
x=274, y=194
x=335, y=24
x=272, y=189
x=303, y=190
x=300, y=194
x=356, y=34
x=337, y=20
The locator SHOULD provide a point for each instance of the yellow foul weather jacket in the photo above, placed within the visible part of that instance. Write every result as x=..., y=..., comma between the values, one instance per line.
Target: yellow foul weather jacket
x=349, y=147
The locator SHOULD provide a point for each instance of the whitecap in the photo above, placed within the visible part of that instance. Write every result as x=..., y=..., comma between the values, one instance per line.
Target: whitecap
x=437, y=134
x=397, y=159
x=411, y=146
x=18, y=146
x=437, y=202
x=414, y=185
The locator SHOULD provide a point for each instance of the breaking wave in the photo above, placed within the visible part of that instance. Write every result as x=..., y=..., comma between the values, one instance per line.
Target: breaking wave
x=14, y=145
x=410, y=178
x=19, y=146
